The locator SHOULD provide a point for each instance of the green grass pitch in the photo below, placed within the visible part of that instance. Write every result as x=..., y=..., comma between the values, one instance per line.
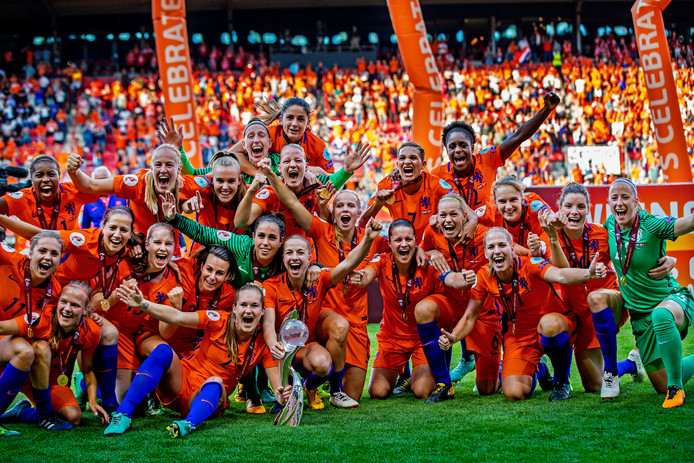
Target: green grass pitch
x=631, y=428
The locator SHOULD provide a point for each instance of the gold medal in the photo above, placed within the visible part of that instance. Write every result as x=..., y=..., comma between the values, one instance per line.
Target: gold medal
x=390, y=200
x=63, y=380
x=623, y=280
x=324, y=193
x=30, y=332
x=105, y=305
x=404, y=316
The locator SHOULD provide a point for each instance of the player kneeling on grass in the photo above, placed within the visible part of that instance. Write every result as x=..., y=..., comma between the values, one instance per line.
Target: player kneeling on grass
x=68, y=331
x=324, y=355
x=198, y=386
x=530, y=306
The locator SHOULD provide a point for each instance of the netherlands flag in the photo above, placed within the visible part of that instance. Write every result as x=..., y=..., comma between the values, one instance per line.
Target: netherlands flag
x=524, y=55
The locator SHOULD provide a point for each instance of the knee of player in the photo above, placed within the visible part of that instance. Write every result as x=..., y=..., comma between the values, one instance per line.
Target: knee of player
x=661, y=316
x=41, y=350
x=109, y=335
x=515, y=394
x=484, y=388
x=597, y=301
x=339, y=329
x=378, y=393
x=73, y=415
x=425, y=311
x=23, y=354
x=320, y=364
x=550, y=325
x=420, y=392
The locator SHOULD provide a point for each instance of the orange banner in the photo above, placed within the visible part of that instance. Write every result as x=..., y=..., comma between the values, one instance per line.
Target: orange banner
x=427, y=108
x=676, y=200
x=661, y=90
x=173, y=55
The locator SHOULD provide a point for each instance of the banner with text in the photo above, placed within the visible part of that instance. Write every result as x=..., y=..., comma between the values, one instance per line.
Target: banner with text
x=427, y=107
x=173, y=56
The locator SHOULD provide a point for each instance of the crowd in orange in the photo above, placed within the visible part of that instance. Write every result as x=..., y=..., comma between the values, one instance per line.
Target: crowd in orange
x=603, y=102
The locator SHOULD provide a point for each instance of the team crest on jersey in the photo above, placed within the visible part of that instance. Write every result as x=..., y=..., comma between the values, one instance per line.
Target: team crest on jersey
x=223, y=235
x=213, y=315
x=77, y=238
x=262, y=194
x=15, y=194
x=523, y=283
x=480, y=211
x=444, y=184
x=34, y=318
x=130, y=180
x=201, y=181
x=375, y=258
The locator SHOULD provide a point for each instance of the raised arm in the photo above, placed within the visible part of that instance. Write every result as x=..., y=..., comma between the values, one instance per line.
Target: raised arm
x=303, y=217
x=8, y=327
x=379, y=200
x=684, y=225
x=23, y=229
x=355, y=257
x=132, y=297
x=83, y=182
x=247, y=211
x=527, y=130
x=570, y=276
x=546, y=218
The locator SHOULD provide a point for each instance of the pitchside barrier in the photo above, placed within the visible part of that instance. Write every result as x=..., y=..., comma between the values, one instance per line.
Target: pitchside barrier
x=673, y=199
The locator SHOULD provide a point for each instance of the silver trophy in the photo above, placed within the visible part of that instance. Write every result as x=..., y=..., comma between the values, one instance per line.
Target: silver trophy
x=293, y=334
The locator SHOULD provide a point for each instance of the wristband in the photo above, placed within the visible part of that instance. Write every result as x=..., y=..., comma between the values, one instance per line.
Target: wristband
x=442, y=277
x=316, y=264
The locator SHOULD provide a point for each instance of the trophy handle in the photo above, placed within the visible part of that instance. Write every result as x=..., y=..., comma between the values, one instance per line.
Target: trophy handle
x=286, y=365
x=294, y=408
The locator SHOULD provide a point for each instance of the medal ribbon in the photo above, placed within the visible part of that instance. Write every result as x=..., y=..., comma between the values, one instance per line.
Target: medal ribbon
x=515, y=288
x=341, y=254
x=27, y=294
x=61, y=362
x=247, y=357
x=573, y=257
x=102, y=269
x=54, y=214
x=403, y=298
x=470, y=183
x=631, y=247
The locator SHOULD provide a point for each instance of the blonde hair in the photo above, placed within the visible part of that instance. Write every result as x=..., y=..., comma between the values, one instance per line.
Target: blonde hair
x=151, y=195
x=506, y=233
x=509, y=180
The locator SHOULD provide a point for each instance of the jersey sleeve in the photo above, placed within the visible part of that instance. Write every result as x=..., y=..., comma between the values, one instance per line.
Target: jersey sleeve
x=206, y=318
x=319, y=154
x=377, y=262
x=442, y=188
x=537, y=267
x=92, y=338
x=270, y=295
x=428, y=242
x=129, y=186
x=266, y=199
x=191, y=184
x=659, y=226
x=480, y=291
x=9, y=255
x=492, y=156
x=319, y=227
x=536, y=204
x=266, y=358
x=239, y=245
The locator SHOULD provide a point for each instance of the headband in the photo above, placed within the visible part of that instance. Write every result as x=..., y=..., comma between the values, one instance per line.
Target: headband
x=255, y=123
x=80, y=288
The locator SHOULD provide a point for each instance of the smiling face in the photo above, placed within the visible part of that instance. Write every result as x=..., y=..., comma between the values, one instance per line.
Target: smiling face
x=293, y=167
x=45, y=257
x=409, y=163
x=160, y=248
x=498, y=250
x=256, y=142
x=575, y=207
x=623, y=203
x=45, y=179
x=117, y=231
x=213, y=274
x=346, y=210
x=460, y=147
x=225, y=182
x=267, y=239
x=296, y=257
x=294, y=121
x=450, y=219
x=248, y=310
x=509, y=202
x=166, y=164
x=402, y=244
x=72, y=305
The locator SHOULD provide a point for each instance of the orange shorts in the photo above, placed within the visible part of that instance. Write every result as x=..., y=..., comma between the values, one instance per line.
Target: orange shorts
x=485, y=368
x=128, y=357
x=190, y=386
x=451, y=312
x=61, y=396
x=522, y=352
x=358, y=347
x=393, y=353
x=585, y=337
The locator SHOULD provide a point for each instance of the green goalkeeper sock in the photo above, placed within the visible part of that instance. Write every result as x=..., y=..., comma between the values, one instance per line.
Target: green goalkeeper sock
x=669, y=344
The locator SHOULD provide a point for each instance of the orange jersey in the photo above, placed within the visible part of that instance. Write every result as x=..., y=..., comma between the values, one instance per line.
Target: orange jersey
x=424, y=283
x=185, y=339
x=269, y=202
x=132, y=188
x=353, y=305
x=533, y=206
x=12, y=298
x=215, y=215
x=86, y=340
x=317, y=153
x=22, y=204
x=575, y=296
x=279, y=296
x=211, y=357
x=468, y=257
x=81, y=258
x=536, y=297
x=477, y=192
x=419, y=207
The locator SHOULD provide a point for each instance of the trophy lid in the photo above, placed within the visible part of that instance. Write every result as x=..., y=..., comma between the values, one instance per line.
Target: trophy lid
x=294, y=333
